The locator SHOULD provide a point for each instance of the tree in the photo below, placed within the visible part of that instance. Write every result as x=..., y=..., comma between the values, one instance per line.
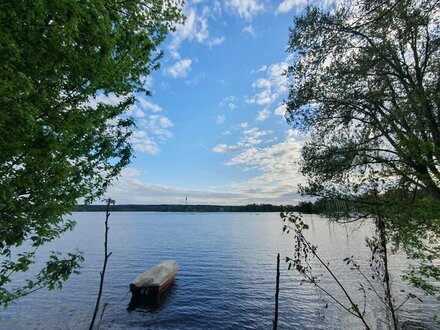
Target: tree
x=365, y=84
x=55, y=146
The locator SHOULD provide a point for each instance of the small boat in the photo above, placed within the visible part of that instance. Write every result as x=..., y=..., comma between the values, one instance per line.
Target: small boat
x=155, y=280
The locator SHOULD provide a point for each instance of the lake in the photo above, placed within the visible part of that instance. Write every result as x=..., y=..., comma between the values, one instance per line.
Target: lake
x=226, y=278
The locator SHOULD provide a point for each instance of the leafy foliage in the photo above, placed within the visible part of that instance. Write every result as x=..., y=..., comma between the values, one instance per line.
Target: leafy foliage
x=356, y=296
x=304, y=252
x=365, y=83
x=56, y=146
x=51, y=276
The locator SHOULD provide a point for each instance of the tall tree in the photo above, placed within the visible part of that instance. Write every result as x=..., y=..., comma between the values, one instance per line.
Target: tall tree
x=365, y=83
x=55, y=146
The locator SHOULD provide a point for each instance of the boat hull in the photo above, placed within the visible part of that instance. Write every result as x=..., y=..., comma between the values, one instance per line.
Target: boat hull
x=155, y=280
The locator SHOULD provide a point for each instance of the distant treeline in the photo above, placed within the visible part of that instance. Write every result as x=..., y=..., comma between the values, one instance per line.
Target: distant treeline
x=328, y=206
x=303, y=207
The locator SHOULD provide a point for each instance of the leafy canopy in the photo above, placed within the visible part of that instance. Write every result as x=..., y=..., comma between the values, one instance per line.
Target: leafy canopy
x=55, y=146
x=366, y=79
x=365, y=83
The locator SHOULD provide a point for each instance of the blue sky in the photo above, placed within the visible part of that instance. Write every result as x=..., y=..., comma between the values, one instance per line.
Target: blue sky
x=214, y=129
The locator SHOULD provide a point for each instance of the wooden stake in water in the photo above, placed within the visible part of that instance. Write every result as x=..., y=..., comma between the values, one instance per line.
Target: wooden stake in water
x=275, y=321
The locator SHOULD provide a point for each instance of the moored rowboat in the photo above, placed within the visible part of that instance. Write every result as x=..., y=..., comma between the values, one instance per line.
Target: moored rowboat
x=155, y=280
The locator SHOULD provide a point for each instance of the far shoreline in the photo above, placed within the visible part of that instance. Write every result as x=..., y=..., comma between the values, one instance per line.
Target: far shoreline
x=190, y=208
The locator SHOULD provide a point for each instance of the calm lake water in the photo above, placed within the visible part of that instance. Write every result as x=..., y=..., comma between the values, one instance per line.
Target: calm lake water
x=226, y=279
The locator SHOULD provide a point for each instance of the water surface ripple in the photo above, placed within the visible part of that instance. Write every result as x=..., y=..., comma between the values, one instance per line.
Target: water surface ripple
x=226, y=279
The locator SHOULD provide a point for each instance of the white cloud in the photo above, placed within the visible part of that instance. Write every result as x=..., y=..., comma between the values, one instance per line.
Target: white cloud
x=250, y=29
x=294, y=133
x=253, y=136
x=143, y=143
x=215, y=41
x=272, y=86
x=263, y=115
x=229, y=102
x=262, y=83
x=246, y=9
x=195, y=28
x=277, y=77
x=164, y=121
x=135, y=111
x=287, y=5
x=180, y=69
x=275, y=181
x=260, y=69
x=278, y=167
x=147, y=82
x=150, y=106
x=224, y=148
x=157, y=126
x=272, y=167
x=220, y=119
x=110, y=99
x=281, y=110
x=151, y=129
x=250, y=137
x=130, y=188
x=262, y=98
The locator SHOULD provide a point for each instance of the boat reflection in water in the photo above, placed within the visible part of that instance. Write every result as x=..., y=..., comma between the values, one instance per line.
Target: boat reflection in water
x=152, y=304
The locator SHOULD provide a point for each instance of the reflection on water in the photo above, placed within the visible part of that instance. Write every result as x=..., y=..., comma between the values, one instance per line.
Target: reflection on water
x=226, y=278
x=151, y=304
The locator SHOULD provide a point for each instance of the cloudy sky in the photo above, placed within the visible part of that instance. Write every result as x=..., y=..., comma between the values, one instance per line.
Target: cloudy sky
x=214, y=129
